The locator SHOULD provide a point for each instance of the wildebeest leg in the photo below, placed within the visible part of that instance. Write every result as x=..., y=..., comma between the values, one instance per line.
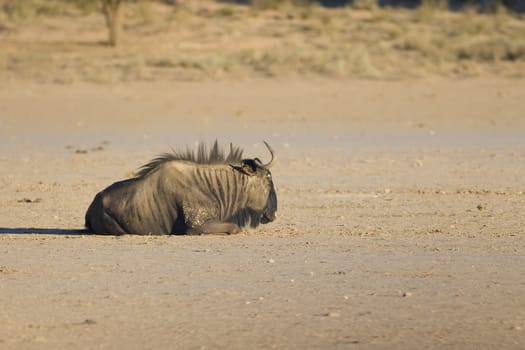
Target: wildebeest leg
x=110, y=226
x=215, y=227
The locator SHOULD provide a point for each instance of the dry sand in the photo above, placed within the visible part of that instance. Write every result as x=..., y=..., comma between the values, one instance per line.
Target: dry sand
x=400, y=222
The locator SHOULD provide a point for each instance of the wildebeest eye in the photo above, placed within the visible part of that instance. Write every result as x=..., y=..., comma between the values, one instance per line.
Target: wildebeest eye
x=249, y=166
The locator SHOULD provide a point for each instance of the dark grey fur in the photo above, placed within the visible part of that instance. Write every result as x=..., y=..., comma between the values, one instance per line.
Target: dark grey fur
x=188, y=193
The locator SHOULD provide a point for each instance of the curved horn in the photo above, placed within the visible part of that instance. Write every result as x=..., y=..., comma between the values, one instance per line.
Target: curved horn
x=272, y=161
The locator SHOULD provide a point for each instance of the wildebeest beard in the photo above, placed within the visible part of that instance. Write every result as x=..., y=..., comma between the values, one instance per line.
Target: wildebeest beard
x=269, y=211
x=247, y=216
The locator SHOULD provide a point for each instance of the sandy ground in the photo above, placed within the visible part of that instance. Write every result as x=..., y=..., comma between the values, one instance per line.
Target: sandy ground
x=400, y=222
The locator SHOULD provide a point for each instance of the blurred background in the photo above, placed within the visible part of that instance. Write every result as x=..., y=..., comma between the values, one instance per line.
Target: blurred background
x=112, y=41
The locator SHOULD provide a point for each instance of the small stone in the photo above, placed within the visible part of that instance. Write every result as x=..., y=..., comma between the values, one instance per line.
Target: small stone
x=29, y=200
x=7, y=269
x=516, y=328
x=270, y=261
x=417, y=164
x=333, y=314
x=407, y=294
x=40, y=339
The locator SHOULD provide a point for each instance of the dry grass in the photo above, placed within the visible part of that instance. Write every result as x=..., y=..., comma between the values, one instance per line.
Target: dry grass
x=210, y=40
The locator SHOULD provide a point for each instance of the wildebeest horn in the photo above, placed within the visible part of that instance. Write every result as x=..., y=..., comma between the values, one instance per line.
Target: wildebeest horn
x=272, y=161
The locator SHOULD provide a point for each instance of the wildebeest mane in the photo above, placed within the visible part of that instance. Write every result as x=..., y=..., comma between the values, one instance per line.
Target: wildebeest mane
x=215, y=155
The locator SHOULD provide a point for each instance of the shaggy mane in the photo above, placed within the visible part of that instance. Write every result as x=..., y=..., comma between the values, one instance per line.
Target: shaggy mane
x=215, y=155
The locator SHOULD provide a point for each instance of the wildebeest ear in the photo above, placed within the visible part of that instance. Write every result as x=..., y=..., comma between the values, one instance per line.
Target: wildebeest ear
x=249, y=166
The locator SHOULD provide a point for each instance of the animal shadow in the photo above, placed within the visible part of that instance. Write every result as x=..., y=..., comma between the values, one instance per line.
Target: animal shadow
x=42, y=231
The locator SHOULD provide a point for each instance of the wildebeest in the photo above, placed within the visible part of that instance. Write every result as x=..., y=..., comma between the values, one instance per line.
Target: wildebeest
x=187, y=193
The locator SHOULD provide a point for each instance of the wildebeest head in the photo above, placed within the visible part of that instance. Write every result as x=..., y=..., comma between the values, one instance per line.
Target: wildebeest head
x=263, y=199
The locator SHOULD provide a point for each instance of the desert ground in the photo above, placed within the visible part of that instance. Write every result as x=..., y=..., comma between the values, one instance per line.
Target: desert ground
x=400, y=221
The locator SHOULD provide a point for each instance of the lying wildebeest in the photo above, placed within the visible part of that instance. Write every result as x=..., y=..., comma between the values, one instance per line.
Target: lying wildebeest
x=188, y=193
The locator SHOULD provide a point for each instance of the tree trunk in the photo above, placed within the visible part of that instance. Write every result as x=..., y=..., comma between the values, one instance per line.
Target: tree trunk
x=112, y=12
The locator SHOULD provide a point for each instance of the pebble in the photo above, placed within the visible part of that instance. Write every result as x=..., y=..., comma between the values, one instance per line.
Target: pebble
x=270, y=261
x=28, y=200
x=417, y=164
x=201, y=250
x=40, y=339
x=407, y=294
